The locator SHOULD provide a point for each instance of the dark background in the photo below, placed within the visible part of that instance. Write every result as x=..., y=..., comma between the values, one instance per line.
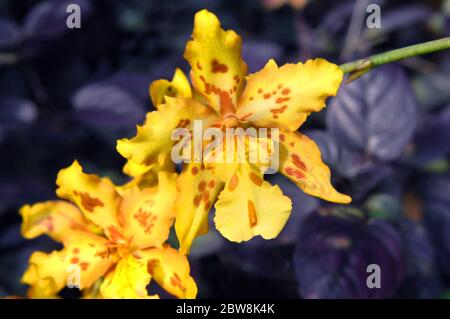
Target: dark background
x=70, y=94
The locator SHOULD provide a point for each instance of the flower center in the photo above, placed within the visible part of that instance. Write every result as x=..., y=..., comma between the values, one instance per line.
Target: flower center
x=231, y=121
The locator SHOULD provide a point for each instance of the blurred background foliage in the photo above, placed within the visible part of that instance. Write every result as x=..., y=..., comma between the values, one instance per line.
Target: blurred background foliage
x=67, y=94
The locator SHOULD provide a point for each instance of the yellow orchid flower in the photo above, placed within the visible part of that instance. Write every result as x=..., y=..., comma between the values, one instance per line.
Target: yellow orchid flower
x=224, y=97
x=114, y=242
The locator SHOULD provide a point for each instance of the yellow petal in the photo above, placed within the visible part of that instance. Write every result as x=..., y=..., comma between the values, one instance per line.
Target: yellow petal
x=283, y=97
x=53, y=218
x=153, y=142
x=128, y=280
x=217, y=69
x=149, y=213
x=197, y=192
x=46, y=275
x=81, y=262
x=96, y=197
x=300, y=161
x=135, y=169
x=171, y=270
x=249, y=206
x=178, y=87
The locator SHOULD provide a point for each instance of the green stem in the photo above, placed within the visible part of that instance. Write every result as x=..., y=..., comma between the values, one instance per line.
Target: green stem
x=359, y=67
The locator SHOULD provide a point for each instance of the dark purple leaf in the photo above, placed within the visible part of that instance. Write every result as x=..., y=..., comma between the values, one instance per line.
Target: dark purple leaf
x=365, y=173
x=16, y=111
x=334, y=250
x=421, y=277
x=17, y=192
x=302, y=206
x=10, y=36
x=100, y=105
x=135, y=83
x=420, y=271
x=257, y=53
x=375, y=114
x=432, y=140
x=434, y=191
x=329, y=148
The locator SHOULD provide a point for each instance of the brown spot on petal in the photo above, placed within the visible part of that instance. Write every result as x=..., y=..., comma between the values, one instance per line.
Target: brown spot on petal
x=89, y=203
x=282, y=100
x=226, y=104
x=298, y=162
x=294, y=173
x=151, y=265
x=253, y=220
x=217, y=67
x=205, y=196
x=48, y=223
x=267, y=96
x=211, y=183
x=279, y=110
x=84, y=265
x=74, y=260
x=256, y=179
x=199, y=66
x=197, y=200
x=234, y=182
x=202, y=186
x=76, y=250
x=194, y=170
x=145, y=219
x=175, y=281
x=286, y=91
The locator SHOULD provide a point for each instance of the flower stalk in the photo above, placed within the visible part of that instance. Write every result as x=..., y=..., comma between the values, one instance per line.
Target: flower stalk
x=359, y=67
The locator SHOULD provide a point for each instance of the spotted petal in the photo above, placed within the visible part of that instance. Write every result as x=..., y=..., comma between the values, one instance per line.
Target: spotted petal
x=148, y=214
x=300, y=161
x=96, y=197
x=249, y=206
x=284, y=96
x=53, y=218
x=171, y=270
x=217, y=69
x=197, y=191
x=128, y=280
x=82, y=261
x=153, y=143
x=178, y=87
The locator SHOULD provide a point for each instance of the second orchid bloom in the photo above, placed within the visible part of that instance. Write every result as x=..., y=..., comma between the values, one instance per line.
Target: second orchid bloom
x=114, y=239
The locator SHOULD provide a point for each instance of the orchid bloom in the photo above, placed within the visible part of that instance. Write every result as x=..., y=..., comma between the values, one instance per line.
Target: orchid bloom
x=114, y=236
x=223, y=96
